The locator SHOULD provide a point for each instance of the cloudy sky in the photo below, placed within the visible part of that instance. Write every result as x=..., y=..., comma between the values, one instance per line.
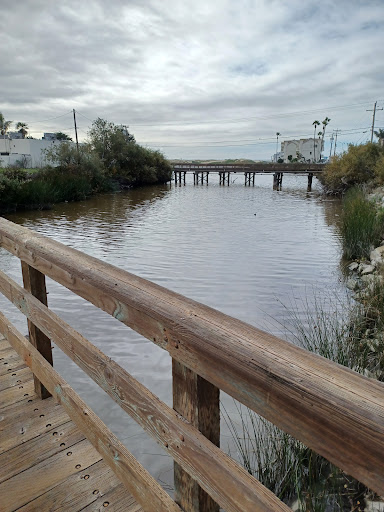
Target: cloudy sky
x=196, y=79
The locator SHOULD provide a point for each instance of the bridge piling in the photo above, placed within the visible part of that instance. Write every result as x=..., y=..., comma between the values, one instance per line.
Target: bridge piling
x=277, y=181
x=310, y=178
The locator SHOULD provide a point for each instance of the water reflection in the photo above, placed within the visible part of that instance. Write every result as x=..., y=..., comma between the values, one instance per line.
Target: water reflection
x=243, y=250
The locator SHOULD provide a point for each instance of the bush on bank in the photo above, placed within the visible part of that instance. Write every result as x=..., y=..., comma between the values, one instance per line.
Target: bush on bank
x=359, y=165
x=112, y=159
x=125, y=160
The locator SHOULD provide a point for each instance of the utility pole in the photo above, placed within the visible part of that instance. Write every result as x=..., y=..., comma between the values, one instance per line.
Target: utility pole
x=277, y=144
x=332, y=139
x=373, y=118
x=77, y=141
x=336, y=132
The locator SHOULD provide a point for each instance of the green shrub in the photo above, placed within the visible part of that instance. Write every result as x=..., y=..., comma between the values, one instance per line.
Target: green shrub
x=15, y=173
x=356, y=166
x=124, y=159
x=362, y=226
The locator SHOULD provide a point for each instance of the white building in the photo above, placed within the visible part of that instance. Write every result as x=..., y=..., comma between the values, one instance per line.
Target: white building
x=278, y=156
x=306, y=150
x=14, y=135
x=28, y=152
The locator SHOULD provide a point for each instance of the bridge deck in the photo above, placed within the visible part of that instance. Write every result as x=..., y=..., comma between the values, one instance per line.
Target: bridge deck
x=257, y=168
x=46, y=463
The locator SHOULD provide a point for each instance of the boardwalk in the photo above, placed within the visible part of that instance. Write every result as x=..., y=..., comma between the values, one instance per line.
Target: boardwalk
x=46, y=462
x=202, y=171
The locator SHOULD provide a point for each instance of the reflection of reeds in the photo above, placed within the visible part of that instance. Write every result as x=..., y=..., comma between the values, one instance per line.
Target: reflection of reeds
x=349, y=333
x=362, y=225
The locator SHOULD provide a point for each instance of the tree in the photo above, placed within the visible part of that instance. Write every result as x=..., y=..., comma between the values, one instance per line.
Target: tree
x=23, y=129
x=125, y=160
x=380, y=135
x=315, y=124
x=110, y=142
x=4, y=125
x=62, y=136
x=277, y=144
x=324, y=123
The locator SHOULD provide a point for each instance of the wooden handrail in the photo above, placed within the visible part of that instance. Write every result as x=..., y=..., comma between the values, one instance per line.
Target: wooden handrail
x=138, y=481
x=219, y=475
x=331, y=409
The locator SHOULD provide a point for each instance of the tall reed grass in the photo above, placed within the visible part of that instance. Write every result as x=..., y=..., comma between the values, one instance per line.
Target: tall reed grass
x=348, y=333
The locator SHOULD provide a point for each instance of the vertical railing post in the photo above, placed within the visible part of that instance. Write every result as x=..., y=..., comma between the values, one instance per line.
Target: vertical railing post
x=197, y=400
x=34, y=282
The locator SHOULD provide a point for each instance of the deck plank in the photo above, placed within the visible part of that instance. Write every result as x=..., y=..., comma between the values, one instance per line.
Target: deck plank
x=10, y=363
x=89, y=488
x=115, y=500
x=46, y=463
x=38, y=479
x=18, y=377
x=58, y=439
x=29, y=421
x=15, y=394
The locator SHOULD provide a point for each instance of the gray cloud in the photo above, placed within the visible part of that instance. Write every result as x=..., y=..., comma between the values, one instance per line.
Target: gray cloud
x=145, y=62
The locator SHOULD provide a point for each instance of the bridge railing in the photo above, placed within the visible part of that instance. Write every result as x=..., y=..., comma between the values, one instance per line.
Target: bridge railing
x=267, y=167
x=331, y=409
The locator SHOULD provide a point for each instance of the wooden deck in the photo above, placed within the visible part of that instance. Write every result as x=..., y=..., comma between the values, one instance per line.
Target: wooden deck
x=46, y=463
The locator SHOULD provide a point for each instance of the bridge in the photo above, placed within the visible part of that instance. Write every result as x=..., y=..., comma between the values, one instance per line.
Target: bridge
x=57, y=454
x=201, y=172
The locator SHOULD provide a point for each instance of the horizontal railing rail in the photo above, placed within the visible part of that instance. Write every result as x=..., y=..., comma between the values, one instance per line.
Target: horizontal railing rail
x=138, y=481
x=331, y=409
x=256, y=167
x=229, y=484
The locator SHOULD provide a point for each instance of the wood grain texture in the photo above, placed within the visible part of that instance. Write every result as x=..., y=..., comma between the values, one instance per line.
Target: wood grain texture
x=198, y=402
x=219, y=475
x=34, y=282
x=10, y=363
x=136, y=479
x=117, y=501
x=16, y=393
x=16, y=378
x=42, y=447
x=329, y=408
x=25, y=421
x=82, y=489
x=38, y=479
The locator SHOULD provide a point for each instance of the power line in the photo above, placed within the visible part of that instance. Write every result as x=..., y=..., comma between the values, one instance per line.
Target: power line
x=84, y=116
x=256, y=141
x=49, y=119
x=242, y=119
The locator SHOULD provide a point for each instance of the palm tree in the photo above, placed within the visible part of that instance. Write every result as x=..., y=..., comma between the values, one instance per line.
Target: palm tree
x=4, y=125
x=315, y=124
x=324, y=123
x=277, y=143
x=23, y=129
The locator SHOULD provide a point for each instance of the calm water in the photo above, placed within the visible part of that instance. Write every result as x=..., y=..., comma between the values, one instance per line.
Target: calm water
x=247, y=251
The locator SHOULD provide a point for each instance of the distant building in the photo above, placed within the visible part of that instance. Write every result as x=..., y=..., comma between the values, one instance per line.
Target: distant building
x=278, y=156
x=14, y=135
x=306, y=150
x=49, y=136
x=28, y=153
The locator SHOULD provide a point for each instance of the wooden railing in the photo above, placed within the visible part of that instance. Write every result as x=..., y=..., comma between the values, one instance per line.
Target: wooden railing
x=331, y=409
